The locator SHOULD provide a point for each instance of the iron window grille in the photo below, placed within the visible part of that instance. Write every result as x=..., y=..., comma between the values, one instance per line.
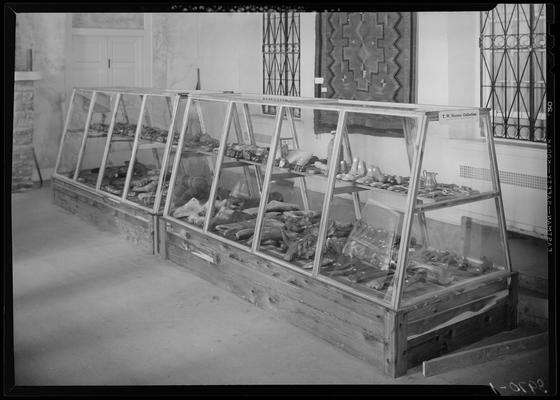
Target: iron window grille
x=513, y=70
x=281, y=56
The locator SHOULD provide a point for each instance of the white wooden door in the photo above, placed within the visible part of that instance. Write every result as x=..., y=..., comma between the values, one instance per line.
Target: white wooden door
x=125, y=55
x=102, y=60
x=89, y=61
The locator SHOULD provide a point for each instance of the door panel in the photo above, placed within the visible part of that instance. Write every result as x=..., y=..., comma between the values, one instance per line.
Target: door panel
x=123, y=49
x=101, y=60
x=89, y=67
x=123, y=75
x=126, y=55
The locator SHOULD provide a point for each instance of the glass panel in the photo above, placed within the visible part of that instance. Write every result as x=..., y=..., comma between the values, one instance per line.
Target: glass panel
x=73, y=139
x=151, y=149
x=196, y=166
x=456, y=162
x=240, y=177
x=120, y=146
x=177, y=123
x=460, y=243
x=295, y=197
x=367, y=207
x=96, y=137
x=363, y=252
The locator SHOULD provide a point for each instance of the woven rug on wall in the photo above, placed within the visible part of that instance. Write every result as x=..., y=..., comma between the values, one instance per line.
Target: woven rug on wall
x=365, y=56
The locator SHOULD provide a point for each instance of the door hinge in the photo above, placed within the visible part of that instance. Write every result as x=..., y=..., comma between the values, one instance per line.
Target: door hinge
x=108, y=63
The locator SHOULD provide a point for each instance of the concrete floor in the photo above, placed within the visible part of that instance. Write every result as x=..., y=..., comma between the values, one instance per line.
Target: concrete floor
x=89, y=309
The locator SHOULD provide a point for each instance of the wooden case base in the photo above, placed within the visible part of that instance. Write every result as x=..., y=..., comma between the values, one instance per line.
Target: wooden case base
x=136, y=225
x=390, y=340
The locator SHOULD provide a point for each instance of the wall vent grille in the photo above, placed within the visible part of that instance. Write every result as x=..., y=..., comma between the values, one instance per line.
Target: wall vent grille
x=506, y=177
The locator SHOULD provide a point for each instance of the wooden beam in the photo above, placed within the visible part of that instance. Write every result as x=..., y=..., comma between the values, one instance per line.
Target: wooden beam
x=533, y=282
x=532, y=310
x=395, y=360
x=462, y=332
x=482, y=354
x=512, y=318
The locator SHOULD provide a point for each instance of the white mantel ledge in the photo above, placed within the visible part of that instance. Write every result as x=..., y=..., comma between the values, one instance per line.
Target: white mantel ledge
x=27, y=76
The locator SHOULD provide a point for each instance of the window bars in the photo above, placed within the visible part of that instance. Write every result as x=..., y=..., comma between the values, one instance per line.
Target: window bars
x=513, y=70
x=281, y=56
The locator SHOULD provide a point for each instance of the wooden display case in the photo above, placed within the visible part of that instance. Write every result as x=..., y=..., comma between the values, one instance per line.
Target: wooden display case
x=113, y=163
x=394, y=267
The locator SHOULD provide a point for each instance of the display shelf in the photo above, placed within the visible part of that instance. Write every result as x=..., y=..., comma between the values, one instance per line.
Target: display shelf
x=454, y=201
x=391, y=196
x=143, y=143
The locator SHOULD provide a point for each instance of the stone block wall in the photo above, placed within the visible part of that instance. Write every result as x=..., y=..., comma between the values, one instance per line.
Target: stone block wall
x=22, y=153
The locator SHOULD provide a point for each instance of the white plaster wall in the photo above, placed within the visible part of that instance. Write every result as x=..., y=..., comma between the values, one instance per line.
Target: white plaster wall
x=448, y=73
x=433, y=62
x=174, y=51
x=226, y=47
x=108, y=20
x=44, y=33
x=463, y=58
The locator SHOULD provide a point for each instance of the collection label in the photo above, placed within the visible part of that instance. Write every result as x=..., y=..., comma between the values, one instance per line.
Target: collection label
x=456, y=115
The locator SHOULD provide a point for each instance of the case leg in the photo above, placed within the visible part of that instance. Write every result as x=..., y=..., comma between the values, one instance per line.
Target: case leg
x=395, y=355
x=512, y=317
x=155, y=235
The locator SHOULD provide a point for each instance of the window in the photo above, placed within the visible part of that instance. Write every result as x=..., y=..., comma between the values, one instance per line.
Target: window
x=281, y=56
x=513, y=70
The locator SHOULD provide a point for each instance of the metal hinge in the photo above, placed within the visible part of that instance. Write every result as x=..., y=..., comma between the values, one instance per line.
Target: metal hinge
x=108, y=63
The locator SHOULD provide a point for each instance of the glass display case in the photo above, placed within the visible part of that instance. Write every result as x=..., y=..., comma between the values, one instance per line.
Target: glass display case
x=392, y=246
x=115, y=154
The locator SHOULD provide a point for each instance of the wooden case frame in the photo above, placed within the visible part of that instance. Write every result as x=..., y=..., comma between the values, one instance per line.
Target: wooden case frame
x=134, y=221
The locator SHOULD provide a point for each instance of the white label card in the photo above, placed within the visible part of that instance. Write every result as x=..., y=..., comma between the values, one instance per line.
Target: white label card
x=456, y=115
x=319, y=81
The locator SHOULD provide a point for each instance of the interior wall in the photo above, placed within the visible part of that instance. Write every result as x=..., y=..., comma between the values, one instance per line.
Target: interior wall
x=108, y=20
x=226, y=47
x=44, y=33
x=448, y=73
